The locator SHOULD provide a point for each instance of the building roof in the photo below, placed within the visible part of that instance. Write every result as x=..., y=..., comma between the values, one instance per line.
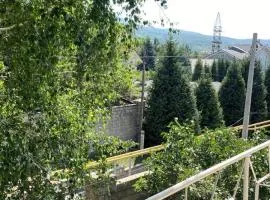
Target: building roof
x=234, y=54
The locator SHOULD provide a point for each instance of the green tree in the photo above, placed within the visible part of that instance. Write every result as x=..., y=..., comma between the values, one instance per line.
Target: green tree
x=186, y=155
x=148, y=55
x=186, y=67
x=207, y=71
x=198, y=70
x=214, y=71
x=232, y=95
x=64, y=67
x=208, y=105
x=258, y=100
x=267, y=85
x=171, y=96
x=222, y=69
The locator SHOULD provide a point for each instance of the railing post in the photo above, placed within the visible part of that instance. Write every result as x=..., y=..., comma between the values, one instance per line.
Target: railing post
x=246, y=178
x=257, y=190
x=186, y=193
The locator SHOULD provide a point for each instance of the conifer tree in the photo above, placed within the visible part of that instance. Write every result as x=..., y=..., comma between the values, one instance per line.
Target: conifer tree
x=208, y=105
x=147, y=54
x=232, y=95
x=227, y=64
x=245, y=69
x=171, y=96
x=258, y=103
x=186, y=68
x=267, y=85
x=207, y=71
x=259, y=99
x=198, y=70
x=214, y=71
x=221, y=69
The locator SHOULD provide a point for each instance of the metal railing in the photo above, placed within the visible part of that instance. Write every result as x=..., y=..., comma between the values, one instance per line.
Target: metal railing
x=127, y=160
x=216, y=169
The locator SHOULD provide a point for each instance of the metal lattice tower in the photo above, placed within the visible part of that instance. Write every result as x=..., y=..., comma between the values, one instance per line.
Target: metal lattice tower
x=216, y=42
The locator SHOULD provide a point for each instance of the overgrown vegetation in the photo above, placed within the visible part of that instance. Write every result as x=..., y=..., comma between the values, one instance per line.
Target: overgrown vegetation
x=186, y=154
x=63, y=66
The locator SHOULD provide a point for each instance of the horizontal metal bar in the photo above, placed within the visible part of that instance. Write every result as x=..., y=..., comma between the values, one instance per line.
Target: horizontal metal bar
x=193, y=179
x=263, y=178
x=127, y=155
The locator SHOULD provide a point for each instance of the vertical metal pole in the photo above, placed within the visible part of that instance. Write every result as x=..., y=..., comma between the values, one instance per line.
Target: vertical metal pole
x=246, y=178
x=257, y=191
x=142, y=108
x=249, y=87
x=186, y=193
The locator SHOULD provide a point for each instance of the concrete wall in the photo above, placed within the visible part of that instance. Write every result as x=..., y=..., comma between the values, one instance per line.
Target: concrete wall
x=123, y=122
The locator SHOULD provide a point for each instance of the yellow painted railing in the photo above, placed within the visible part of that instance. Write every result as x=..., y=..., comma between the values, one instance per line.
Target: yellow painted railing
x=127, y=158
x=128, y=155
x=138, y=153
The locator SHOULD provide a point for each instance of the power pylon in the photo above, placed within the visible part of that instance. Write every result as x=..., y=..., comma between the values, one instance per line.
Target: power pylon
x=216, y=42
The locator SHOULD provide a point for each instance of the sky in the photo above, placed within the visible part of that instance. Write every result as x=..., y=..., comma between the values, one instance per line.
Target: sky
x=239, y=18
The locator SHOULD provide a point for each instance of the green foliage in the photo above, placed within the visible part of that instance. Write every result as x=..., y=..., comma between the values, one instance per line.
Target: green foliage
x=104, y=146
x=64, y=66
x=232, y=95
x=207, y=72
x=185, y=155
x=198, y=70
x=147, y=55
x=171, y=96
x=267, y=85
x=222, y=69
x=208, y=105
x=258, y=100
x=258, y=104
x=214, y=71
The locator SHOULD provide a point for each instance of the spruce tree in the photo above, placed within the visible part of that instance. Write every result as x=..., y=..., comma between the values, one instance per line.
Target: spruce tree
x=207, y=71
x=147, y=54
x=245, y=69
x=171, y=96
x=198, y=70
x=267, y=85
x=227, y=64
x=232, y=95
x=186, y=67
x=214, y=71
x=221, y=70
x=258, y=102
x=208, y=105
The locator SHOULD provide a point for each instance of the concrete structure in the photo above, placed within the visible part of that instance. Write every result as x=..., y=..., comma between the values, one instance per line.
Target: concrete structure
x=123, y=122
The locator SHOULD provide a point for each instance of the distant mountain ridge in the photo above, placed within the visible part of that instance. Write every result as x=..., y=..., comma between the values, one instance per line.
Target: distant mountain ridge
x=196, y=41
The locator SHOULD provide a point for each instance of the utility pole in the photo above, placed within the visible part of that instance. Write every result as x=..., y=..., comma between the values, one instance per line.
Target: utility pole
x=249, y=87
x=142, y=108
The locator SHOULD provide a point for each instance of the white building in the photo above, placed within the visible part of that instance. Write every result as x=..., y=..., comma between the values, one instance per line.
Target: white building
x=239, y=52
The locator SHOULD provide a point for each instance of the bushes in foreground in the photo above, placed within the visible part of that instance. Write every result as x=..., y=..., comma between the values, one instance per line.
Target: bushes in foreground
x=186, y=154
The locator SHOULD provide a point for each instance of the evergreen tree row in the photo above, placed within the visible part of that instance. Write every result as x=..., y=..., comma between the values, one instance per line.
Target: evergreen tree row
x=172, y=96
